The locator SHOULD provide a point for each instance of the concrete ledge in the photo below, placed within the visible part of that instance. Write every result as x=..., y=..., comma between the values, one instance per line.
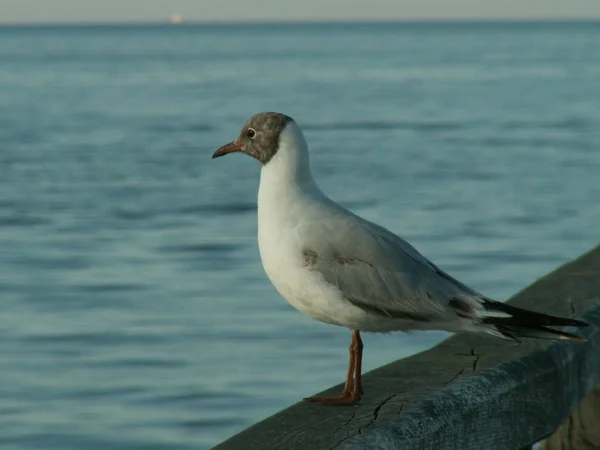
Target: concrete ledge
x=468, y=392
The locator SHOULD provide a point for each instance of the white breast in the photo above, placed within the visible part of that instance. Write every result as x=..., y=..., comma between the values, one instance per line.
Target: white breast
x=286, y=199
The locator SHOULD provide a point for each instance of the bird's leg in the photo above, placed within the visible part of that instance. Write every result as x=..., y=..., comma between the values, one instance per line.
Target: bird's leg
x=350, y=375
x=352, y=388
x=357, y=342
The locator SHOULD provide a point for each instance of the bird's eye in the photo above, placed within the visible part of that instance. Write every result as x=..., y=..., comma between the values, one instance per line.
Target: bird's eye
x=250, y=133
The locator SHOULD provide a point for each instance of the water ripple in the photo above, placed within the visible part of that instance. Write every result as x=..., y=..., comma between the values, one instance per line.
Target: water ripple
x=382, y=125
x=108, y=287
x=94, y=339
x=209, y=247
x=23, y=221
x=220, y=208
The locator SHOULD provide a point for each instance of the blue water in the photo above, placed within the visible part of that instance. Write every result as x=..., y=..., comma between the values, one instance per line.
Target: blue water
x=135, y=312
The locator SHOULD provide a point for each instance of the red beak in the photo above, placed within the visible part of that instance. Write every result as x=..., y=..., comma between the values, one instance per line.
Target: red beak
x=228, y=148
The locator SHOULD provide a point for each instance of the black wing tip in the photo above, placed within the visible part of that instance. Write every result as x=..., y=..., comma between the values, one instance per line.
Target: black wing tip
x=537, y=332
x=525, y=318
x=578, y=323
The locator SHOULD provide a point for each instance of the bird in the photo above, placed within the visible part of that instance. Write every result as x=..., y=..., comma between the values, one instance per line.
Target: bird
x=341, y=269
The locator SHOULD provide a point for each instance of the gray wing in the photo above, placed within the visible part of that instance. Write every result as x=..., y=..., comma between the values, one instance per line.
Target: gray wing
x=379, y=271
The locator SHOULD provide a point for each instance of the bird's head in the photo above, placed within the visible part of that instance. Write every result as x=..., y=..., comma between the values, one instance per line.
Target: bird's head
x=260, y=137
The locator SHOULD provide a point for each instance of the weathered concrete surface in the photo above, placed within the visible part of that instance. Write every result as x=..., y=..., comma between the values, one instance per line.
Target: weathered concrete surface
x=581, y=430
x=468, y=392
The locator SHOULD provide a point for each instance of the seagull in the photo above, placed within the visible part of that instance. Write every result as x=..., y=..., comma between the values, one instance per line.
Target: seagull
x=341, y=269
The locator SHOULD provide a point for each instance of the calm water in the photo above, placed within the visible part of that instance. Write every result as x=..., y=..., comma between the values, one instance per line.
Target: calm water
x=135, y=312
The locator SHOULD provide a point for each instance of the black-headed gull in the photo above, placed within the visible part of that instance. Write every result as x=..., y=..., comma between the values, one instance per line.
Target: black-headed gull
x=341, y=269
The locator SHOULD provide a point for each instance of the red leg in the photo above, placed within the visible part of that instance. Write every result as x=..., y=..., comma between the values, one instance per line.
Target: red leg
x=352, y=389
x=358, y=365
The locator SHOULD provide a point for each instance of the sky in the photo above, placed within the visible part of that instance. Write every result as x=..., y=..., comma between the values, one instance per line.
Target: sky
x=18, y=11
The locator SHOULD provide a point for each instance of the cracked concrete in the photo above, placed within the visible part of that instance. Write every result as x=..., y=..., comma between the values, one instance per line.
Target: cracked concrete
x=376, y=413
x=456, y=377
x=362, y=428
x=377, y=410
x=347, y=422
x=476, y=360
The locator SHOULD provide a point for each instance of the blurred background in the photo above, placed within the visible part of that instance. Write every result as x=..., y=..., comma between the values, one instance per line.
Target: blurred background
x=135, y=311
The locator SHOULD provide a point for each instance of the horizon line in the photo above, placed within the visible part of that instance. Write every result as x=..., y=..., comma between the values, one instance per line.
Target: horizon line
x=415, y=20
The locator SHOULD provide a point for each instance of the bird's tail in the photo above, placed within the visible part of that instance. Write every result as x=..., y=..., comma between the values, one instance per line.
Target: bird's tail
x=513, y=323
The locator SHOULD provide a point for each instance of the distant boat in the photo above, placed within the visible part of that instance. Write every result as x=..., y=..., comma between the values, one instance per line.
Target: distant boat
x=175, y=19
